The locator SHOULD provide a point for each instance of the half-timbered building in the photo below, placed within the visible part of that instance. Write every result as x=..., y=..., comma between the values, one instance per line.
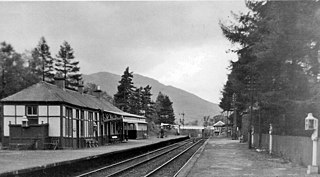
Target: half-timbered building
x=50, y=116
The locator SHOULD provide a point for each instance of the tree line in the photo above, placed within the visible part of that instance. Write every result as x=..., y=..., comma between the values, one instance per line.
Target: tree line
x=276, y=73
x=22, y=70
x=137, y=100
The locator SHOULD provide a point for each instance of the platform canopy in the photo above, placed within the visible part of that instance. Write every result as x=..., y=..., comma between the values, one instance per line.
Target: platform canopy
x=192, y=127
x=219, y=124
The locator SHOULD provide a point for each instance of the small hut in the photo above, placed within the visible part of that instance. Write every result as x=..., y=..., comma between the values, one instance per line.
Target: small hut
x=218, y=127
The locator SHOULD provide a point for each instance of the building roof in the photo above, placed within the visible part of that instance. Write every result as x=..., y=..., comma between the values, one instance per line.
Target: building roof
x=219, y=124
x=45, y=92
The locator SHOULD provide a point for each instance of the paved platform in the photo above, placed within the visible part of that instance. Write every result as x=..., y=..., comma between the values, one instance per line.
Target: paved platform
x=12, y=160
x=223, y=157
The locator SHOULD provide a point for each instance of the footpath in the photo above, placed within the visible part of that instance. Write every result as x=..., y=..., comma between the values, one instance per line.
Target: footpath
x=222, y=157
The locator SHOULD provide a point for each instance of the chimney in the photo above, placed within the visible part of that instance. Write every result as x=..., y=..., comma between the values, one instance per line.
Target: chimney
x=80, y=86
x=59, y=81
x=97, y=92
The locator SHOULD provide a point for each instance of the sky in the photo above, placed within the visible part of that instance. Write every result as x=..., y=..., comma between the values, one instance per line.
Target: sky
x=178, y=43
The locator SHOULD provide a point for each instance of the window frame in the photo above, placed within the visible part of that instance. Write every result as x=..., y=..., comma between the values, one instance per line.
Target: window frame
x=33, y=118
x=32, y=110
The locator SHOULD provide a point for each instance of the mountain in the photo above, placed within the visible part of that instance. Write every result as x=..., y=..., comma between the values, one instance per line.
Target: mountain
x=193, y=106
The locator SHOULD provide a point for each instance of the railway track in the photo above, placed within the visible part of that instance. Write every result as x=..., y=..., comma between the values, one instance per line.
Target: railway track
x=165, y=161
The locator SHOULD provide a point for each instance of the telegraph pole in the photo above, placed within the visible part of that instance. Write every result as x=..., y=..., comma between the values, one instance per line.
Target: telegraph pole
x=182, y=121
x=251, y=112
x=234, y=130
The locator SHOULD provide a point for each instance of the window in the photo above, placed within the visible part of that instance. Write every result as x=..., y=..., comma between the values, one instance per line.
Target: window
x=32, y=110
x=82, y=124
x=77, y=114
x=90, y=124
x=32, y=114
x=68, y=122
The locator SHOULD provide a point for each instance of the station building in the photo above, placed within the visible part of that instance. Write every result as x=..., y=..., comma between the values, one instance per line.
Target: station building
x=45, y=115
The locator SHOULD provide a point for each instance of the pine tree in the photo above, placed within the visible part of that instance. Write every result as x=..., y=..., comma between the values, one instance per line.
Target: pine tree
x=147, y=103
x=125, y=91
x=277, y=58
x=35, y=64
x=42, y=51
x=66, y=65
x=135, y=101
x=164, y=109
x=141, y=103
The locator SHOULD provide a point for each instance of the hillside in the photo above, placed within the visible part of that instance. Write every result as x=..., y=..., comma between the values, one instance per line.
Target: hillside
x=193, y=106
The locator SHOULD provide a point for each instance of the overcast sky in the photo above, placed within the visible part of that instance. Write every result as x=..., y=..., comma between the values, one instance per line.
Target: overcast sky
x=177, y=43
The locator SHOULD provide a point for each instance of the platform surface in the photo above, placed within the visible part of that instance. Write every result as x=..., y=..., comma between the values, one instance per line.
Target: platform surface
x=12, y=160
x=222, y=157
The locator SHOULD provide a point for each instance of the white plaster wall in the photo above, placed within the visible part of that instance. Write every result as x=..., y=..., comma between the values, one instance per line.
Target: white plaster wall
x=21, y=110
x=43, y=111
x=54, y=126
x=19, y=120
x=6, y=125
x=54, y=110
x=44, y=119
x=8, y=110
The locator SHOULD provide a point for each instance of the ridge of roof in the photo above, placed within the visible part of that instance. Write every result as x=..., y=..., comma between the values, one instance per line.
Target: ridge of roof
x=44, y=91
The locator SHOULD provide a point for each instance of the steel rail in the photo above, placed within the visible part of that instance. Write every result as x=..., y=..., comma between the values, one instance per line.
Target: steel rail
x=142, y=162
x=133, y=158
x=172, y=159
x=179, y=171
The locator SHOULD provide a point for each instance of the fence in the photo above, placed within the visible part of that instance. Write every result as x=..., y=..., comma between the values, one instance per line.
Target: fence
x=297, y=149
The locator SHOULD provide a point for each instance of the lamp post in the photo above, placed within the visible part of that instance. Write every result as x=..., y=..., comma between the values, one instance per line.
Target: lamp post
x=270, y=138
x=311, y=123
x=251, y=89
x=182, y=120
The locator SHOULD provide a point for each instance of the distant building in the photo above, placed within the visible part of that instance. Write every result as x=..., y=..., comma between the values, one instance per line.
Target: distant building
x=44, y=114
x=192, y=130
x=217, y=127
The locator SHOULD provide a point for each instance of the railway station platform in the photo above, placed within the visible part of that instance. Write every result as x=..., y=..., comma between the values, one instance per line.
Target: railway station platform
x=16, y=160
x=222, y=157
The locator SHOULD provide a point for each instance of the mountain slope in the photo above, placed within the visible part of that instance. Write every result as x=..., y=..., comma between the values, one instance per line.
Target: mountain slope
x=193, y=106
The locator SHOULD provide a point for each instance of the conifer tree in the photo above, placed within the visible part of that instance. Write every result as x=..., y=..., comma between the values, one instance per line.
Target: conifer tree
x=164, y=109
x=42, y=52
x=35, y=64
x=65, y=64
x=277, y=60
x=135, y=101
x=125, y=91
x=147, y=103
x=141, y=103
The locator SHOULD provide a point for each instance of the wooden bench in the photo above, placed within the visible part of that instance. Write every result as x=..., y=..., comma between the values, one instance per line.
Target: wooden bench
x=53, y=144
x=91, y=143
x=19, y=146
x=114, y=139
